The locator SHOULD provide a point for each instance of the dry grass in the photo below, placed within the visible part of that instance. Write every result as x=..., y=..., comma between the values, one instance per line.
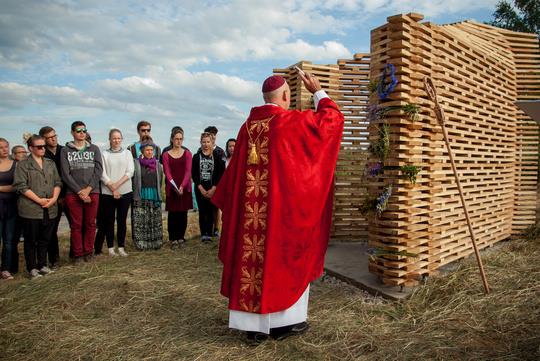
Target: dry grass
x=164, y=305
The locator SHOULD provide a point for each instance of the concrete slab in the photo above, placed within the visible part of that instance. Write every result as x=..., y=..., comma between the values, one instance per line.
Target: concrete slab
x=348, y=261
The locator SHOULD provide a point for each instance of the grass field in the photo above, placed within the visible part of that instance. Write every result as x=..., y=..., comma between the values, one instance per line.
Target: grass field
x=165, y=305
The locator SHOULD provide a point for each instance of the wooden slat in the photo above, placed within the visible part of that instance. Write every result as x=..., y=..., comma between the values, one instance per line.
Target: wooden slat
x=480, y=71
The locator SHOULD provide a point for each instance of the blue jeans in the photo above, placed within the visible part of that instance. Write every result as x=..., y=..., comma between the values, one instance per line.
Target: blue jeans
x=10, y=255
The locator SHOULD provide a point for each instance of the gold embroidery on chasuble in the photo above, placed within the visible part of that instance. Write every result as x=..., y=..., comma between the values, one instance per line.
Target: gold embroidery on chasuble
x=255, y=216
x=257, y=183
x=250, y=306
x=254, y=247
x=251, y=281
x=262, y=125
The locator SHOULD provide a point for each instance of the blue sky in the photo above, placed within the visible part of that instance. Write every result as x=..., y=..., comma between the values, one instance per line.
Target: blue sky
x=190, y=63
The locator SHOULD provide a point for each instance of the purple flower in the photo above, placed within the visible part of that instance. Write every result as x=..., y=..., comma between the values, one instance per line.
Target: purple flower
x=374, y=169
x=372, y=112
x=384, y=89
x=382, y=200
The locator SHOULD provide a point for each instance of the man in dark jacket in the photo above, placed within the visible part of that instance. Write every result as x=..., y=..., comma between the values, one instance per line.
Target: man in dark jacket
x=52, y=152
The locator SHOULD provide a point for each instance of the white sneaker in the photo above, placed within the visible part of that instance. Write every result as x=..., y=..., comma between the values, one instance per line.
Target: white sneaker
x=45, y=270
x=122, y=252
x=112, y=253
x=34, y=273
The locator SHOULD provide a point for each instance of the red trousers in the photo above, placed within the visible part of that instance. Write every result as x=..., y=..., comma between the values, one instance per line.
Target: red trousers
x=83, y=223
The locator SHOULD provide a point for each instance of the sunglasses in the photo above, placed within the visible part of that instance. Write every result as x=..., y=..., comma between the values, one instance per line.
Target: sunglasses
x=146, y=130
x=50, y=137
x=41, y=146
x=80, y=130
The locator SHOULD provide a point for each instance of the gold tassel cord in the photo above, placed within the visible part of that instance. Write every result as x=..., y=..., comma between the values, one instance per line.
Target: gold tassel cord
x=253, y=157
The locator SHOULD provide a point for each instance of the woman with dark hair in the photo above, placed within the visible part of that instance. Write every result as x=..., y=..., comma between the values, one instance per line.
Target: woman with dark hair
x=146, y=219
x=39, y=184
x=177, y=169
x=81, y=167
x=206, y=171
x=229, y=150
x=116, y=193
x=8, y=213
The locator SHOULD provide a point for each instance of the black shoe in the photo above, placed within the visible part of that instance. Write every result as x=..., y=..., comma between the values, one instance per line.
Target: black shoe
x=281, y=333
x=77, y=260
x=88, y=257
x=255, y=338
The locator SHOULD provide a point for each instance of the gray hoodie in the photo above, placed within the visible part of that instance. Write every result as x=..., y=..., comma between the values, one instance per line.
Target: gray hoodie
x=81, y=168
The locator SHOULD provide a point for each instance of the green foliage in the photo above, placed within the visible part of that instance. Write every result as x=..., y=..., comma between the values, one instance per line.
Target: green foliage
x=376, y=205
x=368, y=205
x=523, y=16
x=372, y=86
x=411, y=110
x=410, y=171
x=381, y=147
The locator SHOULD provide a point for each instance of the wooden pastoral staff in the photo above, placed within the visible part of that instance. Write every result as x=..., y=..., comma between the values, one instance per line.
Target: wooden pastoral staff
x=439, y=112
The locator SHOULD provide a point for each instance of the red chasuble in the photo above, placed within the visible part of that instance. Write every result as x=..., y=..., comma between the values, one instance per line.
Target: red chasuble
x=277, y=210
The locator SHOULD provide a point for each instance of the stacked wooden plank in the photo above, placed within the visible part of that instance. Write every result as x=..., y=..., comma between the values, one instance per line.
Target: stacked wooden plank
x=346, y=83
x=301, y=98
x=408, y=224
x=350, y=190
x=527, y=62
x=479, y=72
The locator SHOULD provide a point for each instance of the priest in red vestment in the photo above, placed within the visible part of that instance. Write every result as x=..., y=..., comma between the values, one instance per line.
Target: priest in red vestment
x=276, y=197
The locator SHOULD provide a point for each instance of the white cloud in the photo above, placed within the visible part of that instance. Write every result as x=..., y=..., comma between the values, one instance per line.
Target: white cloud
x=131, y=39
x=171, y=61
x=304, y=51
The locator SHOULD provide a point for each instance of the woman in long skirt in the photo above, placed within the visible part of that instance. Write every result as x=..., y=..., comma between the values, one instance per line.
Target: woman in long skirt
x=146, y=219
x=177, y=168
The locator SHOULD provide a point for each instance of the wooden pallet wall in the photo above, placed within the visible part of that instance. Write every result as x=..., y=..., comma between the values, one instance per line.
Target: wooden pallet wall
x=347, y=83
x=348, y=222
x=479, y=72
x=527, y=61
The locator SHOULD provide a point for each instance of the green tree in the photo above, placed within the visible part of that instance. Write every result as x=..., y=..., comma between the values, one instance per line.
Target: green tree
x=523, y=16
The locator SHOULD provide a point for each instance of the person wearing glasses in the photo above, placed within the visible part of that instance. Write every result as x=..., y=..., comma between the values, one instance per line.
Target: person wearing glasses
x=143, y=129
x=18, y=153
x=52, y=152
x=39, y=184
x=82, y=167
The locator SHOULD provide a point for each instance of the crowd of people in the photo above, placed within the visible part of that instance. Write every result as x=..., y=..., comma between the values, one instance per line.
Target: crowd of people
x=275, y=228
x=95, y=188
